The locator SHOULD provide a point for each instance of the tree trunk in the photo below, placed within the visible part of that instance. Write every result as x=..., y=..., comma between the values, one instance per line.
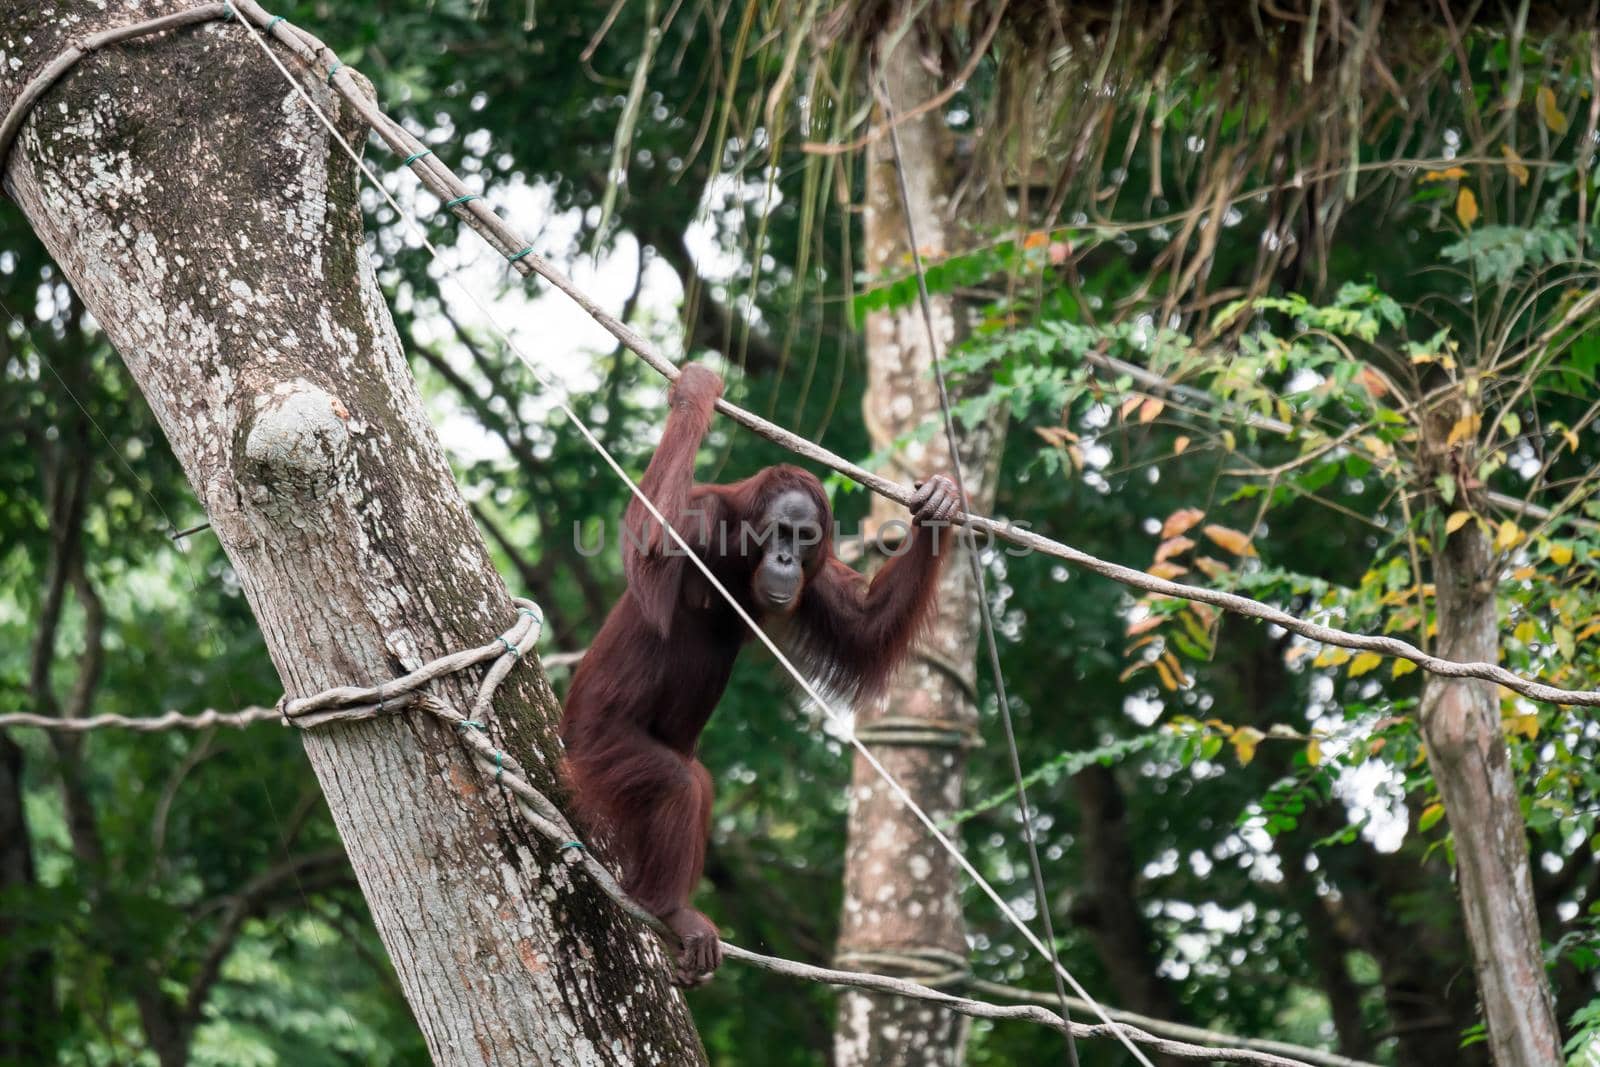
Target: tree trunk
x=902, y=904
x=27, y=968
x=1472, y=767
x=213, y=230
x=1108, y=908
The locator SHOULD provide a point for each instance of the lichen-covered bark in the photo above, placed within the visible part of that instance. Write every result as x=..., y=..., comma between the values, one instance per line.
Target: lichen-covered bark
x=1471, y=765
x=901, y=890
x=206, y=220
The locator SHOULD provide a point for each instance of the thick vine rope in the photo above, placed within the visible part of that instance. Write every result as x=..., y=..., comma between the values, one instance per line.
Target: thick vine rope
x=142, y=724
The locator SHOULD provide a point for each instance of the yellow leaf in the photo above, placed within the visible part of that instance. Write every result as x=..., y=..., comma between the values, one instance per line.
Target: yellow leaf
x=1167, y=569
x=1364, y=663
x=1466, y=207
x=1173, y=546
x=1179, y=445
x=1230, y=539
x=1129, y=404
x=1456, y=521
x=1514, y=163
x=1227, y=441
x=1522, y=574
x=1560, y=554
x=1525, y=632
x=1466, y=426
x=1430, y=815
x=1036, y=239
x=1402, y=667
x=1150, y=409
x=1570, y=438
x=1168, y=679
x=1549, y=110
x=1296, y=652
x=1523, y=725
x=1446, y=175
x=1507, y=536
x=1055, y=435
x=1245, y=739
x=1331, y=656
x=1180, y=520
x=1211, y=568
x=1314, y=752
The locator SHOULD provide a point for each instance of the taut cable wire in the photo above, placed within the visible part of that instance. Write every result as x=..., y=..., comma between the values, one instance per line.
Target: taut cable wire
x=840, y=718
x=1036, y=870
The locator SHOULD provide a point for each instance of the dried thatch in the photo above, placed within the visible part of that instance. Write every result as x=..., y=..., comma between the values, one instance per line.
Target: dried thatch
x=1120, y=113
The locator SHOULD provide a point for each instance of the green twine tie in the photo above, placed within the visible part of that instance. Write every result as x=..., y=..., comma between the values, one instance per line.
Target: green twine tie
x=413, y=157
x=525, y=252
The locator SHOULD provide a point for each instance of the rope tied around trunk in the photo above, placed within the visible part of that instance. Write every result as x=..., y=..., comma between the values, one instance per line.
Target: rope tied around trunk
x=412, y=692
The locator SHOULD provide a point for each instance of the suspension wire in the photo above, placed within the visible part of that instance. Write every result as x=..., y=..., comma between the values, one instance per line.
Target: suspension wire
x=1040, y=894
x=839, y=717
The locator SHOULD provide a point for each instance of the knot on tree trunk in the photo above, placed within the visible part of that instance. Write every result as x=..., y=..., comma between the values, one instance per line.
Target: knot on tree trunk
x=296, y=444
x=1455, y=716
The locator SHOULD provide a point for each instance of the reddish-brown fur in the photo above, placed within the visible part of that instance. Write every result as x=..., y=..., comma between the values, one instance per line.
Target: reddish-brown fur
x=654, y=674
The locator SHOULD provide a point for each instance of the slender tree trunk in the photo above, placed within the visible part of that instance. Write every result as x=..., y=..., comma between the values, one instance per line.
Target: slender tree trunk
x=27, y=968
x=213, y=230
x=1472, y=767
x=1109, y=913
x=902, y=905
